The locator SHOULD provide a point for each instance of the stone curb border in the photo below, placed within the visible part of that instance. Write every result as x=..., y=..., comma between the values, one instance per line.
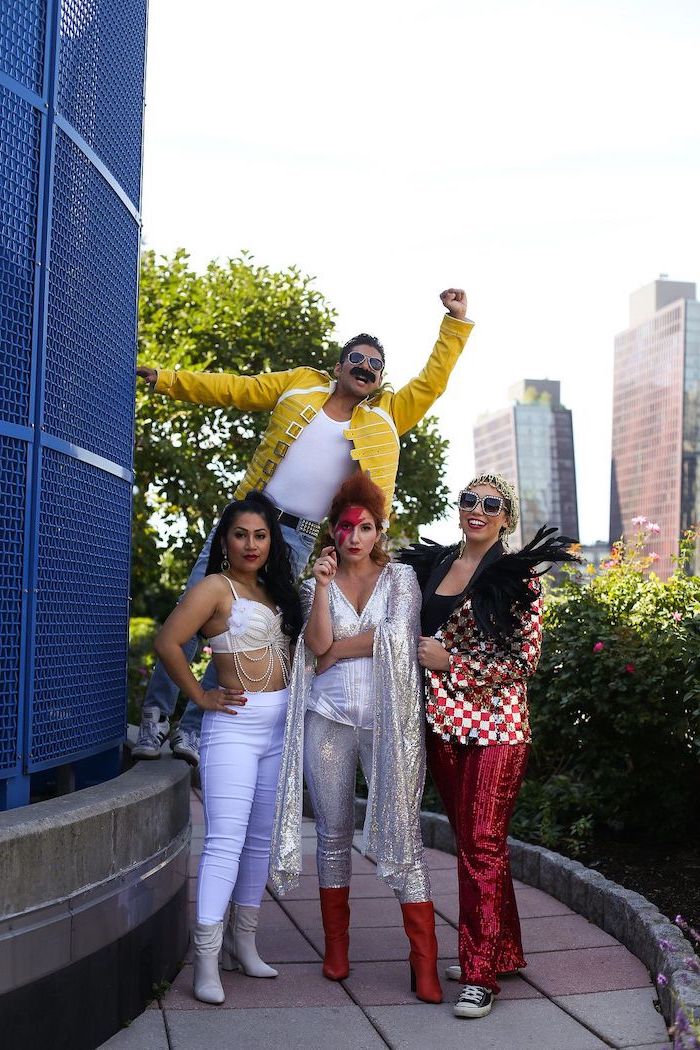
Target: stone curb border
x=627, y=916
x=624, y=914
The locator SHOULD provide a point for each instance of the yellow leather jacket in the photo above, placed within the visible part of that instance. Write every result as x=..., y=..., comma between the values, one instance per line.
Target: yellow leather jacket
x=295, y=396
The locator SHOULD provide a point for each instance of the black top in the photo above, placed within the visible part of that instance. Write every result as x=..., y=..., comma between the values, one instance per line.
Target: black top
x=437, y=610
x=501, y=588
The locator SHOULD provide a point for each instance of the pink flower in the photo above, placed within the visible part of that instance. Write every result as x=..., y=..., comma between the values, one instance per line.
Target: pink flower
x=653, y=527
x=598, y=647
x=640, y=520
x=677, y=616
x=629, y=668
x=661, y=979
x=143, y=671
x=653, y=556
x=206, y=649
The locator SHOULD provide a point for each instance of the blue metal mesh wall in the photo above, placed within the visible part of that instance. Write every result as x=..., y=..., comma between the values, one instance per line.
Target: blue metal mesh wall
x=22, y=32
x=13, y=472
x=82, y=582
x=100, y=88
x=19, y=178
x=71, y=102
x=91, y=314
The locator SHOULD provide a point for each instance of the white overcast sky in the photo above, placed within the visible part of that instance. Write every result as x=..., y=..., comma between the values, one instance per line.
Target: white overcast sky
x=543, y=155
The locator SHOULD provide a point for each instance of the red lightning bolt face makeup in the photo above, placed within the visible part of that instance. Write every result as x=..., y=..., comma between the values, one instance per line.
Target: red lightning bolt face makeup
x=355, y=534
x=348, y=521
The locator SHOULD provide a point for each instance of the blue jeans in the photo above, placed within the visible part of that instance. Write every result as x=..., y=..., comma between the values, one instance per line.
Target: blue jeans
x=162, y=692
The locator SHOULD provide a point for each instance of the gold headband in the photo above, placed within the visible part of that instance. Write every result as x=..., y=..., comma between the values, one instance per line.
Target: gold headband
x=505, y=489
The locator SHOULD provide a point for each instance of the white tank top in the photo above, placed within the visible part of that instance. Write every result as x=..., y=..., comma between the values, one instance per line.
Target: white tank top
x=313, y=469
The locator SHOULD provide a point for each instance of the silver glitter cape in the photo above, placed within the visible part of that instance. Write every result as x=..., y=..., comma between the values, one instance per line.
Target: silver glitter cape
x=398, y=753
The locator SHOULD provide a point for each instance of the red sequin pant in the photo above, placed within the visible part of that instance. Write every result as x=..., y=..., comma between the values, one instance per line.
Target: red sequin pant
x=478, y=787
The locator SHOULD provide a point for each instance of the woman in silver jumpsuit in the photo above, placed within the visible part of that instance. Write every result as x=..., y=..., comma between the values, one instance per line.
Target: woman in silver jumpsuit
x=362, y=701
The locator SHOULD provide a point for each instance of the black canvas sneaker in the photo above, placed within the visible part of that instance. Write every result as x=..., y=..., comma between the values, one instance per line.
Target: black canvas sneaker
x=474, y=1001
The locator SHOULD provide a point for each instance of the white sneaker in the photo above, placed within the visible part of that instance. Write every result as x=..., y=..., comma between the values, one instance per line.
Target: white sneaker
x=153, y=732
x=185, y=744
x=454, y=973
x=474, y=1001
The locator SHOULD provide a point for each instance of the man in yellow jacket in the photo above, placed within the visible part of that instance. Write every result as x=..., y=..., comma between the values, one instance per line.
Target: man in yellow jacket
x=320, y=430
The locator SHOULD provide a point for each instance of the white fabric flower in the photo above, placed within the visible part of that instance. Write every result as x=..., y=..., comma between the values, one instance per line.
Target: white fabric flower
x=239, y=618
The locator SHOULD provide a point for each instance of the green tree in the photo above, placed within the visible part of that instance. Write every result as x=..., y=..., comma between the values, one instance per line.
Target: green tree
x=237, y=316
x=421, y=492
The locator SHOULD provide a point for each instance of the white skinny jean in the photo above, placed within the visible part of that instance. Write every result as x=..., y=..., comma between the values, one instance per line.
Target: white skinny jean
x=239, y=763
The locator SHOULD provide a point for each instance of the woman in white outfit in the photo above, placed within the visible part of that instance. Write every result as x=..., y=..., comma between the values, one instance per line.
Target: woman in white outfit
x=362, y=702
x=248, y=608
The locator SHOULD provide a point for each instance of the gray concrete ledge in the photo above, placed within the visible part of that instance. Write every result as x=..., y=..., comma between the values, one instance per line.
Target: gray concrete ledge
x=81, y=871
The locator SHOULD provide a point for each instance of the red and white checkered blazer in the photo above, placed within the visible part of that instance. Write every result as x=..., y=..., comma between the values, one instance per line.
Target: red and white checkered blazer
x=482, y=699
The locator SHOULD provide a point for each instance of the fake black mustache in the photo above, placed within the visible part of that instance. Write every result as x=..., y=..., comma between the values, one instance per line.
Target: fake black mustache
x=361, y=373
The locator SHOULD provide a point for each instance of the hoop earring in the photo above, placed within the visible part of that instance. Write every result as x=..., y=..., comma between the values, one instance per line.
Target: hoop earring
x=225, y=564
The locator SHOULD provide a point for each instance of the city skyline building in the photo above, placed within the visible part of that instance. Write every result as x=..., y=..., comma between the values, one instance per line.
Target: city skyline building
x=531, y=443
x=655, y=465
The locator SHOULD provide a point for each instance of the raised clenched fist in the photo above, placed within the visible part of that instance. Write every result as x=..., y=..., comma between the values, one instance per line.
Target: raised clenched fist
x=455, y=301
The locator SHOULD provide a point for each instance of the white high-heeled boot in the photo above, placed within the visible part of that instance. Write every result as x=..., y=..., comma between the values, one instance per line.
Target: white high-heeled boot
x=207, y=945
x=239, y=951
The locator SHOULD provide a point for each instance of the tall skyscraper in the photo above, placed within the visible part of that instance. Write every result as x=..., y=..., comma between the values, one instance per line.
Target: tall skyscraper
x=531, y=442
x=656, y=418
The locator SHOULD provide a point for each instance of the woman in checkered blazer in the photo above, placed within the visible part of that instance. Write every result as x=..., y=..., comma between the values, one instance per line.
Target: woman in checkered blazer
x=481, y=625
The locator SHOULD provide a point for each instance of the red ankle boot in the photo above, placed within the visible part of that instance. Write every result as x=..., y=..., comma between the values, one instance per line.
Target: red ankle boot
x=335, y=912
x=419, y=924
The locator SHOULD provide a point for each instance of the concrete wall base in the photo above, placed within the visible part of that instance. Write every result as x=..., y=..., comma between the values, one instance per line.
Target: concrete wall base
x=93, y=906
x=80, y=1006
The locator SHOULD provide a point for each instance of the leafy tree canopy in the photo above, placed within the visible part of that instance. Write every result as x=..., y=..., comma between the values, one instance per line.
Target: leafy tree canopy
x=240, y=317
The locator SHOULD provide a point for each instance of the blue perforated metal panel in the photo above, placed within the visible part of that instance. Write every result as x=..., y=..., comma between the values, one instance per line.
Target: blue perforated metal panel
x=100, y=89
x=22, y=29
x=81, y=612
x=71, y=102
x=13, y=456
x=91, y=332
x=19, y=177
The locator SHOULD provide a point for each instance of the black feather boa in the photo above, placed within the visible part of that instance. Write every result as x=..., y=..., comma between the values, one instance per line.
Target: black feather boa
x=500, y=589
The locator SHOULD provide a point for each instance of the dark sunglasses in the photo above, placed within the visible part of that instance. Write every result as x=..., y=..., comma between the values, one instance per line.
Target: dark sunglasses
x=491, y=505
x=356, y=357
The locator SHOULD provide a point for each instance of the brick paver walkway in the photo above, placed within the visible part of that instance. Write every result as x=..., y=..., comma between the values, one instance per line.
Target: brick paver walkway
x=581, y=989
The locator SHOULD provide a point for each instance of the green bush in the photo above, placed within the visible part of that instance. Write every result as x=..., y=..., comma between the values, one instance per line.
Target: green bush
x=142, y=631
x=615, y=705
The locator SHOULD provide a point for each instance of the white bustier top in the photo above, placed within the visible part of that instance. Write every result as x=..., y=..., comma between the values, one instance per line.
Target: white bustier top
x=252, y=626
